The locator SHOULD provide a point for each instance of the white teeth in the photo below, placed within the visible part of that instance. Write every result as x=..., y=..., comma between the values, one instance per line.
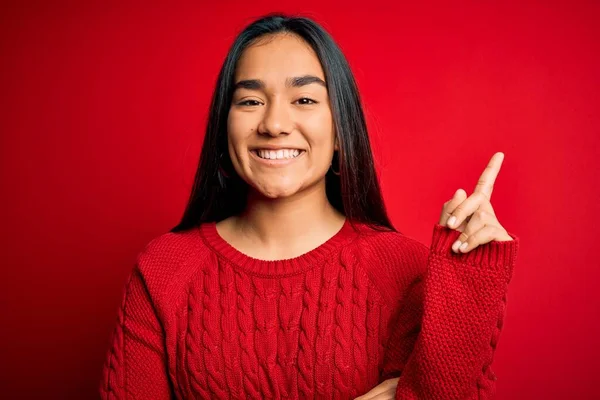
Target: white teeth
x=278, y=154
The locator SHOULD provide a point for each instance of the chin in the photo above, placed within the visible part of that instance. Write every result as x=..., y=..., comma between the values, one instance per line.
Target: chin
x=277, y=191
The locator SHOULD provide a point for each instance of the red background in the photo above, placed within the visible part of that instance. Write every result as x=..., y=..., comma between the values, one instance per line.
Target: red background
x=103, y=109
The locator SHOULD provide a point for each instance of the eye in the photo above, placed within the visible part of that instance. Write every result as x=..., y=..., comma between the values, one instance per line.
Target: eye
x=249, y=103
x=306, y=101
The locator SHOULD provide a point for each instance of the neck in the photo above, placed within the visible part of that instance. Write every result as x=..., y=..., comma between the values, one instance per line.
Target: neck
x=305, y=219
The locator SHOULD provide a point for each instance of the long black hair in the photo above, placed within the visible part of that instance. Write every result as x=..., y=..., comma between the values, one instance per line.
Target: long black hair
x=218, y=192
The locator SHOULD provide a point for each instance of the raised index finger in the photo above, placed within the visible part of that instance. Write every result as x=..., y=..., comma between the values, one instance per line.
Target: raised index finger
x=486, y=181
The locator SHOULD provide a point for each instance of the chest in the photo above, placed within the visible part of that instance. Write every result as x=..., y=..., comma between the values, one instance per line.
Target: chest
x=312, y=335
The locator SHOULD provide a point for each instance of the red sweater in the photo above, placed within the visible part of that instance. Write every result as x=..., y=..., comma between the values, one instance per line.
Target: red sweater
x=201, y=320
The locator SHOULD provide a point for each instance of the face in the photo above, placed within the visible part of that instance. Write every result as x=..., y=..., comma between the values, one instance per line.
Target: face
x=280, y=130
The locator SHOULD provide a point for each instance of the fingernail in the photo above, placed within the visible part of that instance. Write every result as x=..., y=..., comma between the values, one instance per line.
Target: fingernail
x=451, y=221
x=464, y=246
x=456, y=245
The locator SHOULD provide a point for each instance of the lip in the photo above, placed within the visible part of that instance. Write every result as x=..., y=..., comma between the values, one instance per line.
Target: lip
x=275, y=163
x=272, y=147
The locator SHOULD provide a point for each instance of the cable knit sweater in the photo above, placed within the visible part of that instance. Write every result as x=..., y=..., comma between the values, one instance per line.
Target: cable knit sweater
x=201, y=320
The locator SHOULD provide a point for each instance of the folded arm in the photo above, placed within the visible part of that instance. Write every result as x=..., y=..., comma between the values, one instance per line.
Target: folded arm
x=135, y=366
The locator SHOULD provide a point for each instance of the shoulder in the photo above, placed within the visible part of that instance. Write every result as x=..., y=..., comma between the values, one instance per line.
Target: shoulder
x=171, y=247
x=389, y=246
x=389, y=249
x=392, y=260
x=167, y=261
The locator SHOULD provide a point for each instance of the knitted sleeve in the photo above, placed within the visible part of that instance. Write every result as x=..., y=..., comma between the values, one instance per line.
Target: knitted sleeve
x=135, y=366
x=444, y=334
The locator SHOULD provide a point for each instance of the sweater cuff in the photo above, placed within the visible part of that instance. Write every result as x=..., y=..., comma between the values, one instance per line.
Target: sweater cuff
x=492, y=254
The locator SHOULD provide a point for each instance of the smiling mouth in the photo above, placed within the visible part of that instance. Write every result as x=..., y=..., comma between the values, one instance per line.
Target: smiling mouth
x=282, y=154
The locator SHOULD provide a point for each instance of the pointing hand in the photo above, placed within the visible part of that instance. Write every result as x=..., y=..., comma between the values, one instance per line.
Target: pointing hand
x=474, y=216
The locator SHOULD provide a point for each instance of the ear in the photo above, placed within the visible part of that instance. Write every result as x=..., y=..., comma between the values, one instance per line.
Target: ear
x=336, y=145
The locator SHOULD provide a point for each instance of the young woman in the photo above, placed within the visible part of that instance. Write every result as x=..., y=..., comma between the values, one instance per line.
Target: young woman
x=285, y=278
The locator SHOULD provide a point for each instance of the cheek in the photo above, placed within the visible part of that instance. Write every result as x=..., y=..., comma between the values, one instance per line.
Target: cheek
x=234, y=126
x=322, y=132
x=238, y=129
x=321, y=118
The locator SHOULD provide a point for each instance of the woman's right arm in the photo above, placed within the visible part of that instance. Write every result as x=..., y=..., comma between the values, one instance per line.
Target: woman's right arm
x=135, y=366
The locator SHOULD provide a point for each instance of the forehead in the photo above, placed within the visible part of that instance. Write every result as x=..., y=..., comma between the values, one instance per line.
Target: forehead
x=277, y=57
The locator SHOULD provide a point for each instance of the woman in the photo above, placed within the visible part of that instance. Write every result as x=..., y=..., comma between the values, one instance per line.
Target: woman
x=285, y=278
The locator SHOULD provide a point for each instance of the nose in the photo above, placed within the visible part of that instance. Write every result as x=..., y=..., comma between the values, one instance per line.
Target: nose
x=276, y=120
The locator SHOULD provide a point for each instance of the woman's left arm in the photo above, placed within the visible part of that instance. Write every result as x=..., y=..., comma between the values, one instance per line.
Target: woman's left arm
x=463, y=297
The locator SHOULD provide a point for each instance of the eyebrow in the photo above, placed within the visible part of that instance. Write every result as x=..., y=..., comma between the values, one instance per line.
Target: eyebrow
x=297, y=81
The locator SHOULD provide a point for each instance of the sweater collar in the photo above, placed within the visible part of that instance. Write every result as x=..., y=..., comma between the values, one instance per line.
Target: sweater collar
x=276, y=268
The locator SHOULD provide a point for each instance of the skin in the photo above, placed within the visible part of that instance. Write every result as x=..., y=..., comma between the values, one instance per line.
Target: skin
x=474, y=216
x=288, y=213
